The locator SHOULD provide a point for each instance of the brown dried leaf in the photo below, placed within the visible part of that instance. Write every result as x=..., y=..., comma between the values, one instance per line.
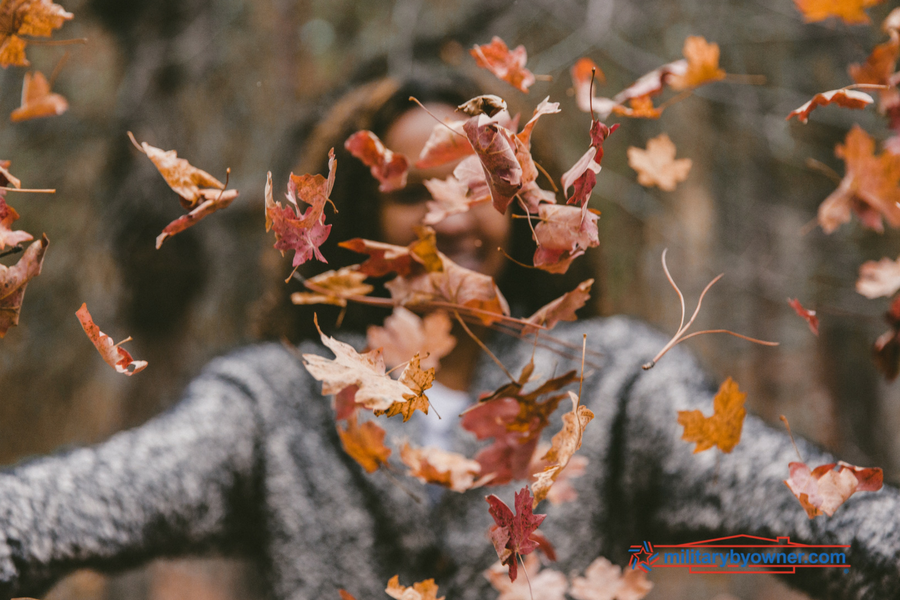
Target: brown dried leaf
x=561, y=309
x=37, y=100
x=842, y=97
x=14, y=280
x=563, y=447
x=113, y=354
x=37, y=18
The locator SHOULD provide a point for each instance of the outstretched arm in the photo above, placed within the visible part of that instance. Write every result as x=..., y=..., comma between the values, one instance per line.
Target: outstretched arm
x=181, y=482
x=680, y=496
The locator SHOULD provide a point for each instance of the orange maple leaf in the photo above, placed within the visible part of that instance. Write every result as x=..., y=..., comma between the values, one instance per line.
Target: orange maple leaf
x=506, y=64
x=8, y=216
x=723, y=428
x=423, y=590
x=702, y=64
x=850, y=11
x=640, y=107
x=869, y=187
x=417, y=380
x=113, y=354
x=26, y=17
x=657, y=164
x=37, y=100
x=364, y=443
x=14, y=280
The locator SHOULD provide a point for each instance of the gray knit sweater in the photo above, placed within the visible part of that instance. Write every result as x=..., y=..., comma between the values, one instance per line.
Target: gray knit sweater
x=249, y=462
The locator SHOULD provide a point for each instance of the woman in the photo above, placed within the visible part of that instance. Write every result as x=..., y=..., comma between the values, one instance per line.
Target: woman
x=250, y=461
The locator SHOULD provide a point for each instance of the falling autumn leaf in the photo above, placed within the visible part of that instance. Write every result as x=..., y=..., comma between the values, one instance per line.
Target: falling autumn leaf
x=562, y=448
x=8, y=216
x=345, y=595
x=807, y=315
x=512, y=534
x=423, y=590
x=823, y=490
x=605, y=581
x=405, y=333
x=505, y=64
x=389, y=168
x=37, y=100
x=583, y=175
x=204, y=209
x=723, y=428
x=113, y=354
x=842, y=97
x=880, y=64
x=496, y=149
x=657, y=164
x=450, y=196
x=434, y=465
x=14, y=280
x=335, y=287
x=562, y=490
x=561, y=309
x=850, y=11
x=193, y=185
x=417, y=380
x=364, y=443
x=543, y=584
x=447, y=142
x=876, y=279
x=563, y=234
x=487, y=104
x=702, y=64
x=377, y=390
x=38, y=18
x=301, y=232
x=869, y=187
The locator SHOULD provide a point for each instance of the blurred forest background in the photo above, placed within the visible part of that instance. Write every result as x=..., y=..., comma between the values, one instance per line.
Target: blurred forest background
x=235, y=83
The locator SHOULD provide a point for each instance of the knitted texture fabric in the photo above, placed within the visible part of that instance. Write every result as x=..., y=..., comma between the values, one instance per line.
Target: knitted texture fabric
x=250, y=463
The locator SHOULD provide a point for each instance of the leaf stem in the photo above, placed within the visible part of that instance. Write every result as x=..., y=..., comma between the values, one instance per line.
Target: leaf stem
x=483, y=347
x=416, y=100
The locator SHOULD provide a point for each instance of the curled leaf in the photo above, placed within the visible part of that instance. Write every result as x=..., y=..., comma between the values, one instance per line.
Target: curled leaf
x=38, y=18
x=423, y=590
x=488, y=105
x=496, y=149
x=843, y=98
x=563, y=447
x=113, y=354
x=807, y=315
x=561, y=309
x=14, y=280
x=563, y=234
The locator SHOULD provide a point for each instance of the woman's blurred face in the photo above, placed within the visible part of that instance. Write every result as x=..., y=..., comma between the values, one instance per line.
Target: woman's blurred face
x=469, y=239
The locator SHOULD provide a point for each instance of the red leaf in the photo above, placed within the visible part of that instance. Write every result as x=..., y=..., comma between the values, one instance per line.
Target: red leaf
x=808, y=315
x=561, y=309
x=563, y=234
x=512, y=534
x=302, y=233
x=114, y=355
x=496, y=148
x=506, y=64
x=204, y=209
x=388, y=168
x=448, y=142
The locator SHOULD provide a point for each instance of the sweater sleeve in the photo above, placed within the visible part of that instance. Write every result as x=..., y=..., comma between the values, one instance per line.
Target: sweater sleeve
x=182, y=482
x=672, y=494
